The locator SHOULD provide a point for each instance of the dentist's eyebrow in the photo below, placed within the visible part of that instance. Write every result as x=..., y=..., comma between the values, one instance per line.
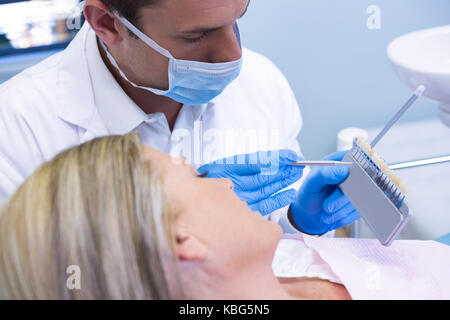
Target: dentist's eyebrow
x=201, y=30
x=208, y=30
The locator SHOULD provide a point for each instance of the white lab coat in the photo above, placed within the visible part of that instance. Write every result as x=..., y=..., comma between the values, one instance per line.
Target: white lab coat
x=51, y=107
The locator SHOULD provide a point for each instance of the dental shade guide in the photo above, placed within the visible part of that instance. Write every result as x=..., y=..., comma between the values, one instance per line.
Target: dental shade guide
x=374, y=190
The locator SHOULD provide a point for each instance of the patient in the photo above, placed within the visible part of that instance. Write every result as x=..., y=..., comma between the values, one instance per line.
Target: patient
x=139, y=225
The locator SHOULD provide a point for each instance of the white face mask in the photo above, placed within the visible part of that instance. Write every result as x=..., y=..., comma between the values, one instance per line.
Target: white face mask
x=190, y=82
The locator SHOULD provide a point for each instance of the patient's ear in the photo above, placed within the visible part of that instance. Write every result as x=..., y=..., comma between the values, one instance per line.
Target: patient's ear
x=189, y=248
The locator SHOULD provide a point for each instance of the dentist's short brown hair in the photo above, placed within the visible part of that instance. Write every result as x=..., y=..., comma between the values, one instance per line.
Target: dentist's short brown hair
x=129, y=8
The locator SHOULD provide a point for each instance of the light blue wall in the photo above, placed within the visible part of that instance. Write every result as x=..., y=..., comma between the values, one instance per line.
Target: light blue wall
x=337, y=67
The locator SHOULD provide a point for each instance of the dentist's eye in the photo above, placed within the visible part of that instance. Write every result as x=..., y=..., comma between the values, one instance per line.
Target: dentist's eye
x=194, y=40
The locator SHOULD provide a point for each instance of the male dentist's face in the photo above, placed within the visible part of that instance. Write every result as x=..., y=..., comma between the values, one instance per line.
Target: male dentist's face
x=198, y=30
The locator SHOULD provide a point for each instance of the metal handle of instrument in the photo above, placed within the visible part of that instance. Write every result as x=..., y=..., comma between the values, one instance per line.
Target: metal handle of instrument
x=419, y=163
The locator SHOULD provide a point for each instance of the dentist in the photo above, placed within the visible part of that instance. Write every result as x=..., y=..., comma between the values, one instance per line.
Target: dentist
x=170, y=69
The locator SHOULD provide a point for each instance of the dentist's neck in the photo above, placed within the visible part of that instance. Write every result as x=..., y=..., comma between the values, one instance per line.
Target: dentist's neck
x=147, y=101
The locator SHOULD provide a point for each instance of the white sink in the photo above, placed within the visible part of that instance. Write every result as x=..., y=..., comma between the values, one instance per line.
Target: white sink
x=423, y=58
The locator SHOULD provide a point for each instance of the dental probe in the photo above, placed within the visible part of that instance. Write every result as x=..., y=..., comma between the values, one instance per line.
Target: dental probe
x=417, y=94
x=419, y=163
x=321, y=163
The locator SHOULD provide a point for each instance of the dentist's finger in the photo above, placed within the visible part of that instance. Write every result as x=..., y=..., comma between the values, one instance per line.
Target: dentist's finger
x=348, y=219
x=335, y=201
x=338, y=215
x=275, y=202
x=324, y=176
x=288, y=174
x=268, y=190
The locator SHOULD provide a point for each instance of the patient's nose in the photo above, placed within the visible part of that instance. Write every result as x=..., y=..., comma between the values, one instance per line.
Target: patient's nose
x=179, y=161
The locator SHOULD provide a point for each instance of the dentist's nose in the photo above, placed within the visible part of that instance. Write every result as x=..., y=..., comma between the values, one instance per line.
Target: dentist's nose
x=227, y=47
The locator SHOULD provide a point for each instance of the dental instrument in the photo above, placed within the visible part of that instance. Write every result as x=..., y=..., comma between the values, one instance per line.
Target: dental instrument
x=419, y=163
x=417, y=94
x=322, y=163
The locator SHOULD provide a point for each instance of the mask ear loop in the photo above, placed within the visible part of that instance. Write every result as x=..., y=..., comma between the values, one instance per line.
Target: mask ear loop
x=116, y=65
x=238, y=34
x=138, y=33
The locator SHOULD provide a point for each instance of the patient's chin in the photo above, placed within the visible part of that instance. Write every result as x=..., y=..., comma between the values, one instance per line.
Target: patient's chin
x=276, y=232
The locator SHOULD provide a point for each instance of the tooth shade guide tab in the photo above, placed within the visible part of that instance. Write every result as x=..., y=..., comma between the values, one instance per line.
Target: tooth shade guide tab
x=379, y=171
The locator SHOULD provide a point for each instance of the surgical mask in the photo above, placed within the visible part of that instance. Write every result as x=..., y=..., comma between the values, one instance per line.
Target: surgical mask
x=190, y=82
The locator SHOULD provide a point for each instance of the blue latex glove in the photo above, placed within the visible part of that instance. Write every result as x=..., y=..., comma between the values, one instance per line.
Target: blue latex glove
x=320, y=206
x=257, y=177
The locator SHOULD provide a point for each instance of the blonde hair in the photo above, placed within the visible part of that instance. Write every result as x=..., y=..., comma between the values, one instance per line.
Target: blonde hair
x=100, y=207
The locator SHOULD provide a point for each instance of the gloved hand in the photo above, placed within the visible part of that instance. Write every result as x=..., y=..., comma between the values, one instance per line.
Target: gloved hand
x=257, y=177
x=320, y=206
